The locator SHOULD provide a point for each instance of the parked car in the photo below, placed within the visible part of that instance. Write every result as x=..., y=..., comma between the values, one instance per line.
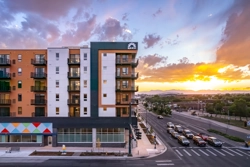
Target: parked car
x=169, y=130
x=199, y=141
x=178, y=128
x=160, y=117
x=170, y=125
x=183, y=141
x=214, y=142
x=175, y=134
x=203, y=136
x=187, y=133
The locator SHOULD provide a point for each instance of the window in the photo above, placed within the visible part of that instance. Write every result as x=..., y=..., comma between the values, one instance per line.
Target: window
x=19, y=97
x=85, y=69
x=57, y=110
x=19, y=57
x=104, y=81
x=105, y=67
x=19, y=110
x=57, y=83
x=85, y=97
x=19, y=71
x=124, y=111
x=85, y=83
x=57, y=97
x=85, y=110
x=104, y=95
x=57, y=70
x=19, y=85
x=104, y=54
x=125, y=84
x=125, y=71
x=104, y=108
x=57, y=56
x=85, y=56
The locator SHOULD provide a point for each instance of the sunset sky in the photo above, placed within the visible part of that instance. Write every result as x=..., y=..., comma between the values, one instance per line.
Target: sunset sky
x=183, y=44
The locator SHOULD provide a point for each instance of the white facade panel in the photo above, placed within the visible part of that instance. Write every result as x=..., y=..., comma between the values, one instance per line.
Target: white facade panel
x=62, y=63
x=110, y=112
x=85, y=76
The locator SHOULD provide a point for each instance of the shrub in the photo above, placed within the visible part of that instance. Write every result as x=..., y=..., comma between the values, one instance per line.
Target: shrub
x=234, y=138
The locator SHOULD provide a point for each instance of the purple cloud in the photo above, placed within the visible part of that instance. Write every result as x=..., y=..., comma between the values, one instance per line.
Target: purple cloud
x=150, y=40
x=158, y=12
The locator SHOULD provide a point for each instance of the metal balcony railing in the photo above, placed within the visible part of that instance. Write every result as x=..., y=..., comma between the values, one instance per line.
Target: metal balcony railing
x=38, y=62
x=38, y=88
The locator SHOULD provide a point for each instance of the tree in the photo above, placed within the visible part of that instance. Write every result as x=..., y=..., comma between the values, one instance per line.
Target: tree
x=98, y=144
x=241, y=107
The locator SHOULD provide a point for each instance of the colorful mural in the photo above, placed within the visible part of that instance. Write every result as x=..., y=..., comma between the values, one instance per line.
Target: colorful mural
x=34, y=127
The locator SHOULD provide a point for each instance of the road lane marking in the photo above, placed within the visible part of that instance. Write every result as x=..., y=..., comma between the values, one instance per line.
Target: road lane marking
x=163, y=161
x=219, y=152
x=179, y=152
x=187, y=152
x=203, y=152
x=243, y=152
x=195, y=152
x=212, y=152
x=165, y=164
x=235, y=152
x=228, y=152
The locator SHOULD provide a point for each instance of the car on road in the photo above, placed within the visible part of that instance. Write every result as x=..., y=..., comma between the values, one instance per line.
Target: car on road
x=203, y=136
x=170, y=130
x=187, y=133
x=175, y=134
x=160, y=117
x=183, y=141
x=178, y=128
x=214, y=142
x=170, y=125
x=199, y=141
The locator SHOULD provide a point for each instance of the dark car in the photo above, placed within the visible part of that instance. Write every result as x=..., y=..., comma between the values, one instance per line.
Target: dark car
x=203, y=136
x=214, y=142
x=187, y=133
x=175, y=134
x=183, y=140
x=199, y=141
x=178, y=128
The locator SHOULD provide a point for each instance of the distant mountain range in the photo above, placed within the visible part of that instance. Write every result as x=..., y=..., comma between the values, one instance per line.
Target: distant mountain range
x=152, y=92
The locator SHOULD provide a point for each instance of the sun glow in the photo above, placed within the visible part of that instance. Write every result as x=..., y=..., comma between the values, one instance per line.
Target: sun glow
x=213, y=84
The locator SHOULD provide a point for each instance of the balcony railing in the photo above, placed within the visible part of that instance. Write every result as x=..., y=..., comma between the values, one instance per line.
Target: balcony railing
x=40, y=75
x=74, y=75
x=127, y=61
x=38, y=88
x=5, y=101
x=74, y=61
x=127, y=101
x=5, y=75
x=134, y=75
x=39, y=62
x=5, y=88
x=73, y=88
x=38, y=101
x=5, y=62
x=127, y=88
x=73, y=101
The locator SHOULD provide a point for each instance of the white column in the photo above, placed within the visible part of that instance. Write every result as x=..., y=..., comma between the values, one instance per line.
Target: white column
x=94, y=137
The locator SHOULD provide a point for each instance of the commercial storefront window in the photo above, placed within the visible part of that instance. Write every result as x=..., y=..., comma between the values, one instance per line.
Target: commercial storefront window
x=74, y=135
x=110, y=135
x=21, y=138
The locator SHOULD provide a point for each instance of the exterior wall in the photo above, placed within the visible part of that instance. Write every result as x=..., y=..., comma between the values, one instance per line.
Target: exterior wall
x=63, y=82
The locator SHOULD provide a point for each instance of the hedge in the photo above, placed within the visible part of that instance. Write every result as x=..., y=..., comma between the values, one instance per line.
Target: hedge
x=234, y=138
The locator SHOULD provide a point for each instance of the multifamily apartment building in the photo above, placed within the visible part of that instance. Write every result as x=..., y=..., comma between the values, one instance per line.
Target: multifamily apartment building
x=69, y=96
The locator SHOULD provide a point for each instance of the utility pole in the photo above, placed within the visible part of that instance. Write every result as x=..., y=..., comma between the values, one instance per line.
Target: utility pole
x=130, y=131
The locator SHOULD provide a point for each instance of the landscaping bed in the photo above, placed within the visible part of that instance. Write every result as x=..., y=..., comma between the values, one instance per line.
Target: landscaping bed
x=50, y=153
x=234, y=138
x=102, y=154
x=142, y=125
x=152, y=139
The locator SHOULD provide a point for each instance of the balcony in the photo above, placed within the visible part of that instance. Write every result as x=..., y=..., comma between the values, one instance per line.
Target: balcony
x=74, y=75
x=127, y=76
x=5, y=101
x=38, y=88
x=73, y=101
x=5, y=75
x=39, y=62
x=5, y=62
x=40, y=75
x=127, y=61
x=73, y=61
x=125, y=101
x=73, y=88
x=5, y=89
x=38, y=102
x=127, y=88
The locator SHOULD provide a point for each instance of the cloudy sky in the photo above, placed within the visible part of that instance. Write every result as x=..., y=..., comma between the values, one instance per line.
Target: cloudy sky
x=183, y=44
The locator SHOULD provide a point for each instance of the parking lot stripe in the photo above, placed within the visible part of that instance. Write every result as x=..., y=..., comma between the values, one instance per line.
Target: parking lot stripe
x=179, y=152
x=203, y=152
x=211, y=152
x=187, y=152
x=195, y=152
x=235, y=152
x=243, y=152
x=228, y=152
x=219, y=152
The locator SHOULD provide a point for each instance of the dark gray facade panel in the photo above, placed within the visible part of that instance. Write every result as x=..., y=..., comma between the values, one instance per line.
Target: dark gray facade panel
x=21, y=145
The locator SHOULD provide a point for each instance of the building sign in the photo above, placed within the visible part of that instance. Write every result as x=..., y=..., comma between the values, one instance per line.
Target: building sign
x=34, y=127
x=131, y=45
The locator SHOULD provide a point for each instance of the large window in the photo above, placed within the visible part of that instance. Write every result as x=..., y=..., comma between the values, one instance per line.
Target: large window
x=74, y=135
x=110, y=135
x=21, y=138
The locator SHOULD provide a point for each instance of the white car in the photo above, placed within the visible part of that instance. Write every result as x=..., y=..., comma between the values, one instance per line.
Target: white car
x=160, y=117
x=170, y=125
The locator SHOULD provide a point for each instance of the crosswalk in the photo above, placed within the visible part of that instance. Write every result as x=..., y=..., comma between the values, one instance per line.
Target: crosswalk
x=164, y=163
x=207, y=152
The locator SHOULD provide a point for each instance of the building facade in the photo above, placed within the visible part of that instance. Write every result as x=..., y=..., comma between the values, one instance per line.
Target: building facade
x=68, y=95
